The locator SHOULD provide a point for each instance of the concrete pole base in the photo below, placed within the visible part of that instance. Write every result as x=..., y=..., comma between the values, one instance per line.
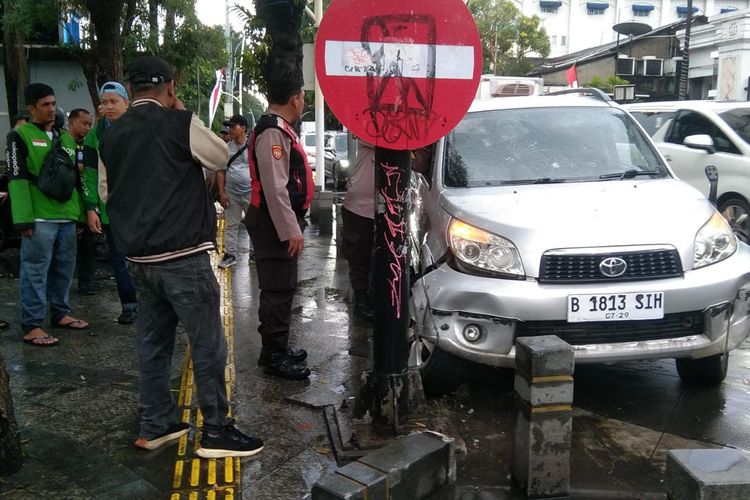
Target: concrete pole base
x=389, y=400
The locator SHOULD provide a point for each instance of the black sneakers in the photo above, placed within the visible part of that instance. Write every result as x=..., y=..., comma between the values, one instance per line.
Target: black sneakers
x=127, y=317
x=289, y=364
x=296, y=355
x=229, y=442
x=174, y=431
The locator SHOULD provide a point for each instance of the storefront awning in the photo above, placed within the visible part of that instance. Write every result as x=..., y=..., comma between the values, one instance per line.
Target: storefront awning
x=642, y=8
x=550, y=4
x=684, y=10
x=724, y=10
x=596, y=5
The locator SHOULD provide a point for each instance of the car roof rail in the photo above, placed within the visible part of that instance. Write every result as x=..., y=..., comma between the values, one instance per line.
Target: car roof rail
x=589, y=91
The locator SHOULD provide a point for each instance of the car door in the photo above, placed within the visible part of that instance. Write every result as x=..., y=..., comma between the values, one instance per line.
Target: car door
x=690, y=164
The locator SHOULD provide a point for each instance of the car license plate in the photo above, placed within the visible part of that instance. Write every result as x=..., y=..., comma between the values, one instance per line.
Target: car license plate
x=615, y=307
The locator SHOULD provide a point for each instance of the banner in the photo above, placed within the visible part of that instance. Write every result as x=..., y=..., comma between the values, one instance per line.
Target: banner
x=213, y=100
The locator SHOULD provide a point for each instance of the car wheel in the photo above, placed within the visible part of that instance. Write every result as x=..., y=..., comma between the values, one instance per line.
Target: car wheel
x=737, y=212
x=703, y=371
x=441, y=372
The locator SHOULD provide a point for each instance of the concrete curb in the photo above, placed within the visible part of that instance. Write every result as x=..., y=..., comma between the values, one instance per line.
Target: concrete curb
x=409, y=469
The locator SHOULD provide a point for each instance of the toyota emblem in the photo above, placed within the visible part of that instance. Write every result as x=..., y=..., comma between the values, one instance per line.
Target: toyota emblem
x=612, y=267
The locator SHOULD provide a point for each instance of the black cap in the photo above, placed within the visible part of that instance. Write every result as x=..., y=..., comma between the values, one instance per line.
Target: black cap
x=236, y=120
x=149, y=69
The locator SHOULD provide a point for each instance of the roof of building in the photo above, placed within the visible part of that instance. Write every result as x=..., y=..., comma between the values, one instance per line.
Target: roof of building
x=554, y=64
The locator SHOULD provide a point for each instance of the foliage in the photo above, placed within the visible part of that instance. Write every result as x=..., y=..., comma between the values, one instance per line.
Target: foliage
x=607, y=85
x=508, y=37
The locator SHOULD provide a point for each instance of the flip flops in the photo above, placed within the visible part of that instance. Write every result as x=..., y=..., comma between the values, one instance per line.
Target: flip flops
x=45, y=340
x=74, y=324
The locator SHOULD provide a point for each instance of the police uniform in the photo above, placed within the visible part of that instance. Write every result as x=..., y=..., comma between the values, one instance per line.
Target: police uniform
x=282, y=190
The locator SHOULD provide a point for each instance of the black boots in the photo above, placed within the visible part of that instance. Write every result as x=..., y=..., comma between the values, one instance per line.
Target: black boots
x=285, y=363
x=362, y=307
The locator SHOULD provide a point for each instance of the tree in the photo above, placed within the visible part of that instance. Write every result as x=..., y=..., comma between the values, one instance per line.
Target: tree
x=607, y=85
x=508, y=37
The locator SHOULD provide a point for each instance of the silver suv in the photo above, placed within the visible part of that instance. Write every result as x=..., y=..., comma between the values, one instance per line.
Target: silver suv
x=557, y=215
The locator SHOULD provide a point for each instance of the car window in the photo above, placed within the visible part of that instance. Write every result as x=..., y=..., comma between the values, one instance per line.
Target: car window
x=341, y=145
x=739, y=120
x=691, y=123
x=309, y=139
x=652, y=121
x=566, y=144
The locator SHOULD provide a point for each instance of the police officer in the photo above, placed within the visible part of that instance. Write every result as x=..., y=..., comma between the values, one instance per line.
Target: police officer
x=282, y=190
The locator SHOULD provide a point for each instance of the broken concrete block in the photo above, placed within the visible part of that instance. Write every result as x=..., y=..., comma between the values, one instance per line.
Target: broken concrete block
x=722, y=474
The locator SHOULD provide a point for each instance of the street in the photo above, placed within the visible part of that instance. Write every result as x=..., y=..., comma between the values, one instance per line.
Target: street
x=77, y=411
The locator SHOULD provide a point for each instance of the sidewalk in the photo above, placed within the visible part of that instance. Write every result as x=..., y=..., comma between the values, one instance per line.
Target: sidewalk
x=76, y=405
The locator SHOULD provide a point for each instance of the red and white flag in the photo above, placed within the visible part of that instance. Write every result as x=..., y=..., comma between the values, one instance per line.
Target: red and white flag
x=572, y=76
x=213, y=101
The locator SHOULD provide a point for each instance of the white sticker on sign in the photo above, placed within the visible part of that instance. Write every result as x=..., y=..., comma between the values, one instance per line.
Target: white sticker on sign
x=408, y=60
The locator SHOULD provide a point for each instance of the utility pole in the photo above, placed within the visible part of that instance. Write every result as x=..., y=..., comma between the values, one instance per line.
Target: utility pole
x=320, y=157
x=229, y=70
x=685, y=66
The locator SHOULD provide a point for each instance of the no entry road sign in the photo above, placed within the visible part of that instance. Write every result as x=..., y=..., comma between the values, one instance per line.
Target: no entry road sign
x=399, y=74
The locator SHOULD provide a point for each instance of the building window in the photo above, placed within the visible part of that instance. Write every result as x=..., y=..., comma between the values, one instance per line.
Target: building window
x=563, y=39
x=549, y=10
x=641, y=13
x=549, y=6
x=553, y=39
x=596, y=12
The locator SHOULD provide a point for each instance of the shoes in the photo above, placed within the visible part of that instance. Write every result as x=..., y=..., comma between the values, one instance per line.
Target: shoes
x=229, y=442
x=174, y=431
x=228, y=261
x=281, y=364
x=296, y=355
x=127, y=317
x=362, y=307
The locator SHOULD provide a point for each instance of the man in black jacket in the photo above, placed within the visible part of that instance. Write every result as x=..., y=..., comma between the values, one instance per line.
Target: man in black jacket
x=164, y=221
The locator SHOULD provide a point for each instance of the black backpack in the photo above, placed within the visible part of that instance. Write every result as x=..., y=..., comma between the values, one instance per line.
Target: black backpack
x=58, y=175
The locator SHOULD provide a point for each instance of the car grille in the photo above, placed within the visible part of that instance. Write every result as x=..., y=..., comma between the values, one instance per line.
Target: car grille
x=606, y=332
x=643, y=265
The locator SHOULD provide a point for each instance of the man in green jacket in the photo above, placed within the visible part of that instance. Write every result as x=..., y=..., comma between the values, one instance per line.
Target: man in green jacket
x=48, y=246
x=114, y=99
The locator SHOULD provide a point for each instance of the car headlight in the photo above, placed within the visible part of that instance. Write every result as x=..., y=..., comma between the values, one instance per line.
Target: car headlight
x=483, y=250
x=344, y=163
x=714, y=242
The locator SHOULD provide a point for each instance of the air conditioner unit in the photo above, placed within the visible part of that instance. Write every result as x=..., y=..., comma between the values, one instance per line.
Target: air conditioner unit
x=651, y=66
x=670, y=67
x=626, y=66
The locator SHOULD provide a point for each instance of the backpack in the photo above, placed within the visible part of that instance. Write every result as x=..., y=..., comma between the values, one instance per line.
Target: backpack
x=58, y=176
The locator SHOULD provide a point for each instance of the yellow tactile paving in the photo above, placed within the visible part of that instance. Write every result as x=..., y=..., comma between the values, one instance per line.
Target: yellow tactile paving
x=195, y=478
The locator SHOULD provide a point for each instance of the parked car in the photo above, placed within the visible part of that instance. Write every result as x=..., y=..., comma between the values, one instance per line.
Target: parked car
x=555, y=215
x=728, y=126
x=337, y=159
x=308, y=143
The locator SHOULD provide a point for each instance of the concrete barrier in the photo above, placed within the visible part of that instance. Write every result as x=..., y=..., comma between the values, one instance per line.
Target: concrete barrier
x=722, y=474
x=544, y=418
x=325, y=213
x=409, y=469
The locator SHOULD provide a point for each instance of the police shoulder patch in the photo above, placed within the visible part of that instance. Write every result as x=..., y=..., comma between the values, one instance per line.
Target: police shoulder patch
x=277, y=151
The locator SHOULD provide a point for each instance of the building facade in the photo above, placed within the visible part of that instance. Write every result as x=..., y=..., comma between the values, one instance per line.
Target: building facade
x=574, y=25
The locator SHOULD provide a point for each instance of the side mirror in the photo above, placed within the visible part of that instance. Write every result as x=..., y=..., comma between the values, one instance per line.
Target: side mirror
x=700, y=141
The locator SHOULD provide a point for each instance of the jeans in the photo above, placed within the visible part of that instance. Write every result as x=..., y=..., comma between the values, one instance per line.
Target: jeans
x=232, y=221
x=48, y=260
x=125, y=287
x=184, y=291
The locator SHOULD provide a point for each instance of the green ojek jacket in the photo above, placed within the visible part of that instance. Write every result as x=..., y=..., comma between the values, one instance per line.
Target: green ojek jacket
x=28, y=204
x=91, y=172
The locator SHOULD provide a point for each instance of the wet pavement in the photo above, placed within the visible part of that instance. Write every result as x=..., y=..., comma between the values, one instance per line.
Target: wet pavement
x=76, y=404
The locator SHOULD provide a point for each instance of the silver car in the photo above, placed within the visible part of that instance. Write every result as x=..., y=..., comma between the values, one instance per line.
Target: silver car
x=557, y=215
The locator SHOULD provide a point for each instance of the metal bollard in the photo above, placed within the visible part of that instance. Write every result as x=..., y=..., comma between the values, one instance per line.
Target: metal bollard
x=339, y=230
x=325, y=213
x=544, y=417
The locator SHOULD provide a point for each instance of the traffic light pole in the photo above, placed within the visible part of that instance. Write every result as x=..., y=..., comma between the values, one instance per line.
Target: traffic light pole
x=391, y=391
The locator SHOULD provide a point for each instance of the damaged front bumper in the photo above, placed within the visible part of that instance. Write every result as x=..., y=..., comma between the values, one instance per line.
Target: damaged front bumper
x=706, y=312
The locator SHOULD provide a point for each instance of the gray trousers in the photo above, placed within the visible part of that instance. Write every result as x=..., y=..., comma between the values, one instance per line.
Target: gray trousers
x=232, y=220
x=184, y=291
